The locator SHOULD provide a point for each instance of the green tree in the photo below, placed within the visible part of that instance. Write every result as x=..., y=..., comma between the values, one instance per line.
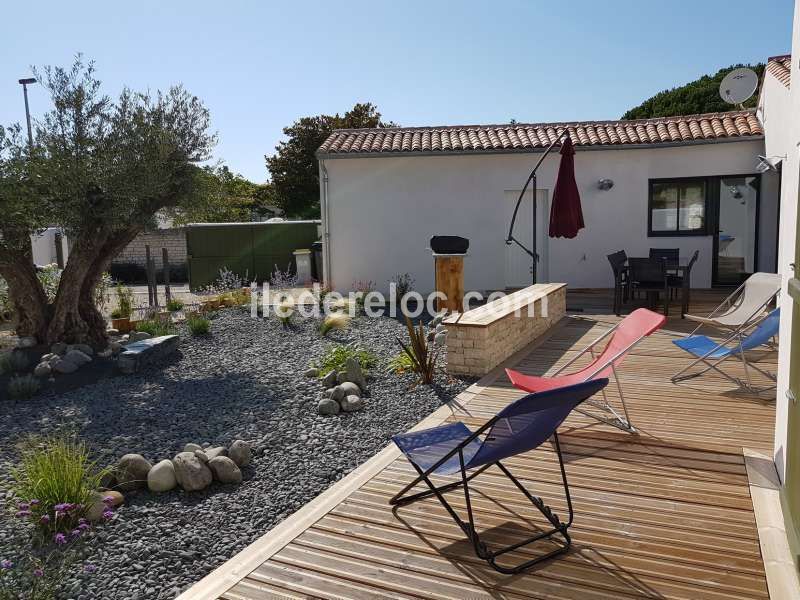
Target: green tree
x=99, y=168
x=699, y=96
x=228, y=197
x=294, y=169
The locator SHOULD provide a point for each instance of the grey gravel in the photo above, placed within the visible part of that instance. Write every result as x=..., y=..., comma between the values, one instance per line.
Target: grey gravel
x=244, y=381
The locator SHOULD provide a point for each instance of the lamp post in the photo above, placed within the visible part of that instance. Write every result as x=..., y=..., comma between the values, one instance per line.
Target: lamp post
x=25, y=82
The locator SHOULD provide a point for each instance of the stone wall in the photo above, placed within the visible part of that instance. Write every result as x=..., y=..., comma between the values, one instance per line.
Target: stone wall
x=481, y=339
x=174, y=240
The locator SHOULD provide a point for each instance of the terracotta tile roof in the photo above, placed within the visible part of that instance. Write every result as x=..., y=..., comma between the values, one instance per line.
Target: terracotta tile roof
x=521, y=137
x=781, y=68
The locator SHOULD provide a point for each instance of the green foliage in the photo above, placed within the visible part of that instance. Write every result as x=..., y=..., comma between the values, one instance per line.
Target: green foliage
x=198, y=324
x=294, y=168
x=227, y=198
x=335, y=358
x=124, y=303
x=50, y=277
x=13, y=361
x=56, y=470
x=422, y=356
x=401, y=363
x=174, y=305
x=101, y=291
x=156, y=327
x=334, y=321
x=695, y=97
x=6, y=309
x=23, y=387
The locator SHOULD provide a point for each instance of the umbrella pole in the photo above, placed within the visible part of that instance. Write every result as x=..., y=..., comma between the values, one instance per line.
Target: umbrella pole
x=510, y=239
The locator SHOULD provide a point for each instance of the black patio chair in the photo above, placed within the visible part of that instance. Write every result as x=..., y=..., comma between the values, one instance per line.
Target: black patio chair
x=683, y=283
x=649, y=275
x=671, y=255
x=619, y=266
x=521, y=426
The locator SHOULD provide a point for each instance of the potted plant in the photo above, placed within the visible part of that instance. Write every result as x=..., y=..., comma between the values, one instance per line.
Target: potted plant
x=121, y=315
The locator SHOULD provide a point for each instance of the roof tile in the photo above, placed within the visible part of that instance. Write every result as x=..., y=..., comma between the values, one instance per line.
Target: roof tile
x=781, y=68
x=483, y=138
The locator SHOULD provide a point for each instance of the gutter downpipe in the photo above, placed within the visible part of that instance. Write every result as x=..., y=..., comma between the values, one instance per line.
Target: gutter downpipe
x=326, y=235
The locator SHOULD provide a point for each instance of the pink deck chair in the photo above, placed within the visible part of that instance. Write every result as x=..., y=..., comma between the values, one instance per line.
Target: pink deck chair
x=624, y=336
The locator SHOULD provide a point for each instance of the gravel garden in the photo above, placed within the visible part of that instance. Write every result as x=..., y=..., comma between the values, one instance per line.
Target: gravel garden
x=284, y=390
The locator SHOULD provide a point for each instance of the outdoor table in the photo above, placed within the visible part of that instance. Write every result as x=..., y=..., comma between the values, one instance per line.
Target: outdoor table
x=679, y=268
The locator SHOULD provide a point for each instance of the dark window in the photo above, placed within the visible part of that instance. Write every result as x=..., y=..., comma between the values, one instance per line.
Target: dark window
x=678, y=207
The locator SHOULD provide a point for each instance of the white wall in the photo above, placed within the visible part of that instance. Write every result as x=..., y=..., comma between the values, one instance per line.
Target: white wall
x=44, y=246
x=383, y=211
x=781, y=108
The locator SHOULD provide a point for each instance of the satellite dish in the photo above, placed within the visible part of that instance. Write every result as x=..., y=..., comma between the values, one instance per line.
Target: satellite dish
x=738, y=86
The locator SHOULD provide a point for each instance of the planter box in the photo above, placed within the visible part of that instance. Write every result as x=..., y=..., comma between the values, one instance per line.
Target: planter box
x=123, y=325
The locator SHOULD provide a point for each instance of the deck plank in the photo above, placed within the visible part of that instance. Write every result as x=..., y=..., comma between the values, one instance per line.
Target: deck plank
x=663, y=514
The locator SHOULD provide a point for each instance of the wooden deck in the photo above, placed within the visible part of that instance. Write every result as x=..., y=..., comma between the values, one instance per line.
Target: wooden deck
x=663, y=514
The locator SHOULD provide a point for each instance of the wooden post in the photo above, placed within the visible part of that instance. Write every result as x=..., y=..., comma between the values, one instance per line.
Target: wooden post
x=59, y=243
x=147, y=275
x=165, y=267
x=450, y=281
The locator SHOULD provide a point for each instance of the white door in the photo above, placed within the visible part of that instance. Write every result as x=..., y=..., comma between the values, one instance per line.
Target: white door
x=518, y=262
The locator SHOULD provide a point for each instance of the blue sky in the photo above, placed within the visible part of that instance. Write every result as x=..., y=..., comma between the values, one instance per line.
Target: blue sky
x=260, y=65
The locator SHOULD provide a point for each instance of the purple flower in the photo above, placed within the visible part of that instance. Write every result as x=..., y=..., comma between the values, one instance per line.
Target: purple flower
x=108, y=500
x=89, y=568
x=6, y=564
x=35, y=502
x=23, y=506
x=76, y=533
x=83, y=526
x=23, y=513
x=38, y=573
x=82, y=521
x=60, y=538
x=64, y=507
x=108, y=514
x=45, y=519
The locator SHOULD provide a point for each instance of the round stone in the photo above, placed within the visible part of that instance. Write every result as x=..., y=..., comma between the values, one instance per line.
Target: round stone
x=161, y=477
x=225, y=470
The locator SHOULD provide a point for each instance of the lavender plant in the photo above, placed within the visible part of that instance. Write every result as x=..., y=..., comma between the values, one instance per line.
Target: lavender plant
x=283, y=279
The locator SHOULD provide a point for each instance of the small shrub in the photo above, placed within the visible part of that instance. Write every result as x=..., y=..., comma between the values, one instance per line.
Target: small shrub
x=226, y=281
x=13, y=361
x=50, y=277
x=404, y=283
x=124, y=303
x=284, y=312
x=361, y=289
x=198, y=324
x=335, y=358
x=6, y=310
x=101, y=291
x=401, y=364
x=334, y=321
x=283, y=279
x=422, y=356
x=174, y=305
x=57, y=479
x=322, y=293
x=23, y=387
x=156, y=327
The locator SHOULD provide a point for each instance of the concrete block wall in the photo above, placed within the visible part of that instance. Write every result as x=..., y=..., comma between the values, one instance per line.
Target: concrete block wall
x=174, y=240
x=477, y=349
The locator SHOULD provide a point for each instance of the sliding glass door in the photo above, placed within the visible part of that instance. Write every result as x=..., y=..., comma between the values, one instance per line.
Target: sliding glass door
x=736, y=236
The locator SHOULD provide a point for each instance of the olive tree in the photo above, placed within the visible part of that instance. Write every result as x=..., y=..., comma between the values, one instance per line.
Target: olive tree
x=100, y=169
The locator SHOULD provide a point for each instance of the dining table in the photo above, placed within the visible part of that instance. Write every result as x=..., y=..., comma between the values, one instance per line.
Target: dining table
x=678, y=268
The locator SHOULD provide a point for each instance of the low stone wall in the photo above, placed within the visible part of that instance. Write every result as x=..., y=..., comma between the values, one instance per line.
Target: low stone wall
x=480, y=339
x=174, y=240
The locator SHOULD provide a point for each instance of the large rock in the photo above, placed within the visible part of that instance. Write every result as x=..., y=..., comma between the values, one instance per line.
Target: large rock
x=328, y=406
x=191, y=473
x=58, y=348
x=215, y=452
x=329, y=380
x=144, y=352
x=77, y=357
x=161, y=477
x=96, y=507
x=225, y=470
x=202, y=456
x=26, y=342
x=350, y=389
x=138, y=336
x=240, y=453
x=85, y=348
x=190, y=447
x=43, y=369
x=354, y=373
x=63, y=366
x=352, y=404
x=312, y=372
x=337, y=393
x=132, y=471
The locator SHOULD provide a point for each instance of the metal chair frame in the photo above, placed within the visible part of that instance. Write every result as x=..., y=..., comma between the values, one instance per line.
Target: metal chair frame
x=714, y=363
x=727, y=303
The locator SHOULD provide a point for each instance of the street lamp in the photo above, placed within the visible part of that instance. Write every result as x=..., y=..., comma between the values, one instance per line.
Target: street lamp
x=25, y=82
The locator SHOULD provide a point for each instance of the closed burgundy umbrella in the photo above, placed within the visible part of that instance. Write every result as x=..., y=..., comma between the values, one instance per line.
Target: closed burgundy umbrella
x=566, y=216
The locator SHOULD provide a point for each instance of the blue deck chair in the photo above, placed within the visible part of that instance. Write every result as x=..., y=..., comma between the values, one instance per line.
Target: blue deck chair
x=521, y=426
x=712, y=353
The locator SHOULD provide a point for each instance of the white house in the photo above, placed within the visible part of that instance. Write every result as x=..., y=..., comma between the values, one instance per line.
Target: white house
x=681, y=182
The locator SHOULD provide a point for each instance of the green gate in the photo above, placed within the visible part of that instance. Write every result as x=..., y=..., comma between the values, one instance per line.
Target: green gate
x=251, y=250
